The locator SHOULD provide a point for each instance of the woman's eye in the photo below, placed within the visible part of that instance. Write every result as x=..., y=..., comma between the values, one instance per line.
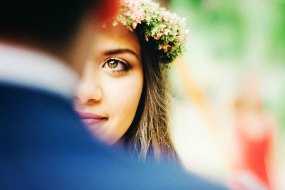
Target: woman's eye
x=112, y=64
x=115, y=65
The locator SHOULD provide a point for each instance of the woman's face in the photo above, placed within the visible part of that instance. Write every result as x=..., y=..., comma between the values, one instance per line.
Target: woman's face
x=111, y=85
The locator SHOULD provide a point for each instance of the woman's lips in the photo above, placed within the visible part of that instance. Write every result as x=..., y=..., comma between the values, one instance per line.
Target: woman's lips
x=91, y=119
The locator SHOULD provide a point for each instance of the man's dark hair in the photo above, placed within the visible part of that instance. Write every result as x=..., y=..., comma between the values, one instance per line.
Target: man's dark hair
x=45, y=21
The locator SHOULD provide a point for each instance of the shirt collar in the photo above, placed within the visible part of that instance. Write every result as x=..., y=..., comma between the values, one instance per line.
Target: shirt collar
x=37, y=70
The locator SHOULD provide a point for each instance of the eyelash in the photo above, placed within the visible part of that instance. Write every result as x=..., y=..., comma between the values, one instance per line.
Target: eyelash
x=126, y=66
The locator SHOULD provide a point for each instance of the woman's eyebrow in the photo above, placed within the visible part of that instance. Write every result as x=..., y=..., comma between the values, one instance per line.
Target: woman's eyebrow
x=119, y=51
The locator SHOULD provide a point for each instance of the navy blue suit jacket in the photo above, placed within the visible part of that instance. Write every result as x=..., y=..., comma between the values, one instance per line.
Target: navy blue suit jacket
x=43, y=145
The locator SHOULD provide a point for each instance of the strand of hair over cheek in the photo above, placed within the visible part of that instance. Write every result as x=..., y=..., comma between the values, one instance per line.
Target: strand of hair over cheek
x=153, y=134
x=158, y=118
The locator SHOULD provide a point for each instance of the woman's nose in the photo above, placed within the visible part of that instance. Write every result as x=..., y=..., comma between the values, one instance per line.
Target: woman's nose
x=88, y=93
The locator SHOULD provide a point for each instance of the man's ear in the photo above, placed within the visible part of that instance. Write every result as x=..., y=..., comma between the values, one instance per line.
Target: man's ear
x=107, y=11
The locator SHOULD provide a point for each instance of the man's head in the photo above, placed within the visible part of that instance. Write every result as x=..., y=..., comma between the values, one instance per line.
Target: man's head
x=58, y=27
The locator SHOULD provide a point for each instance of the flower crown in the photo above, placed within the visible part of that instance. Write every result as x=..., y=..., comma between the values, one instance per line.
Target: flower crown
x=165, y=29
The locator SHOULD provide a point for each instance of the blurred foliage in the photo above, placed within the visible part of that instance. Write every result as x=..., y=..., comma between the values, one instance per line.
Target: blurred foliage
x=225, y=24
x=221, y=21
x=277, y=53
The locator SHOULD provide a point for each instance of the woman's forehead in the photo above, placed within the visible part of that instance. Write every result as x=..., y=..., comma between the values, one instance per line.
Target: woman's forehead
x=117, y=37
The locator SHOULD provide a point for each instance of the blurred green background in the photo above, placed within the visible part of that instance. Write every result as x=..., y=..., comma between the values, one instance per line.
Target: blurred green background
x=244, y=36
x=229, y=41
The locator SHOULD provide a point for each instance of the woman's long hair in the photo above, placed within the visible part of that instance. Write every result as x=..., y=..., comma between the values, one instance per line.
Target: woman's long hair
x=149, y=134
